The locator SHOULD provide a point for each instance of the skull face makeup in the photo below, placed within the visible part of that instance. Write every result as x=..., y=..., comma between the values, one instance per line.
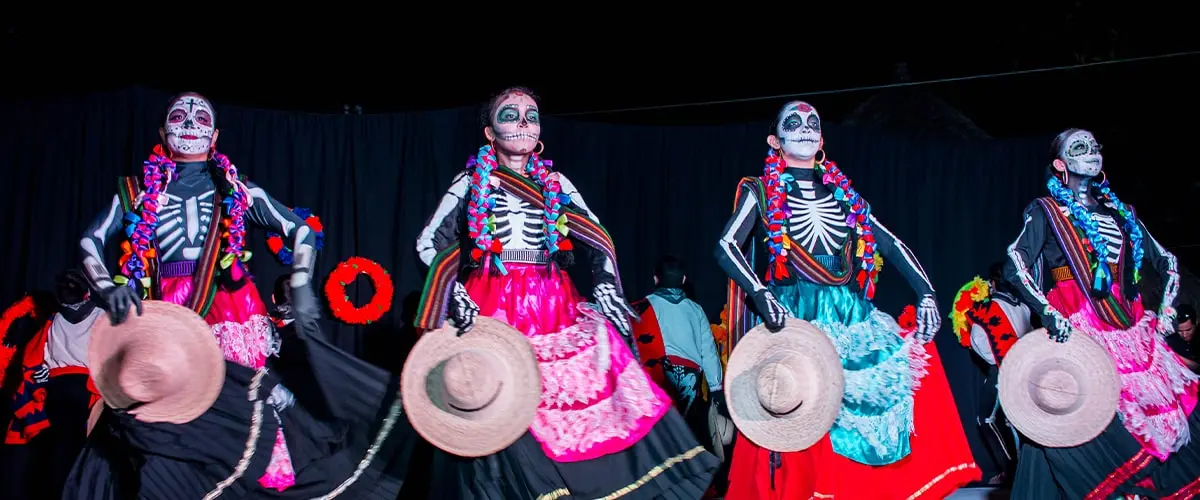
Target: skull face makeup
x=516, y=124
x=799, y=130
x=190, y=127
x=1081, y=154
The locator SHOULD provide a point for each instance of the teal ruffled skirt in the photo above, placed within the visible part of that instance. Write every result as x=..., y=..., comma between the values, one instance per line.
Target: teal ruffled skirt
x=882, y=370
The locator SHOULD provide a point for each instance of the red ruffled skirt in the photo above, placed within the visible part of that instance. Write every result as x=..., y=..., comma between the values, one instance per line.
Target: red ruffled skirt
x=940, y=462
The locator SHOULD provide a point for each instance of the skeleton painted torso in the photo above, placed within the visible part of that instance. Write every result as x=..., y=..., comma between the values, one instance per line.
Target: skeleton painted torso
x=818, y=221
x=1109, y=229
x=519, y=225
x=185, y=214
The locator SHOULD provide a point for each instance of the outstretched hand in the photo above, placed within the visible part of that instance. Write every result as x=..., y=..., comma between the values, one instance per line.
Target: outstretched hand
x=928, y=319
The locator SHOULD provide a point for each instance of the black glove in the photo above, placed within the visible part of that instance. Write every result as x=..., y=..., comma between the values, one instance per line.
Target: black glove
x=614, y=308
x=463, y=308
x=306, y=310
x=1058, y=327
x=717, y=399
x=118, y=300
x=773, y=313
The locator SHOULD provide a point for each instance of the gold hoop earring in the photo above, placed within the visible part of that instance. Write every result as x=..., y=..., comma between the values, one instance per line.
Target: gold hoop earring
x=820, y=156
x=540, y=147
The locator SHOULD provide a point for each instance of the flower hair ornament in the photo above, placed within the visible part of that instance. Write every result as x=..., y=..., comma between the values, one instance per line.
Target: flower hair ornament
x=141, y=224
x=776, y=182
x=481, y=223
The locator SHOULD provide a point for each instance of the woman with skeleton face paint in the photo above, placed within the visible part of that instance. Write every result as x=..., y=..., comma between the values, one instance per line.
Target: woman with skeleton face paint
x=824, y=250
x=604, y=428
x=1077, y=262
x=184, y=222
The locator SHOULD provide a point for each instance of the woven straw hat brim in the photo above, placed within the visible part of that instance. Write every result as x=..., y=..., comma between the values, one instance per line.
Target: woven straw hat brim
x=1080, y=358
x=492, y=428
x=164, y=324
x=820, y=382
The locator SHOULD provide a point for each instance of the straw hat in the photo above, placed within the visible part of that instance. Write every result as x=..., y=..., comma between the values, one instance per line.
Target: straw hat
x=472, y=395
x=94, y=416
x=721, y=429
x=784, y=389
x=166, y=359
x=1059, y=395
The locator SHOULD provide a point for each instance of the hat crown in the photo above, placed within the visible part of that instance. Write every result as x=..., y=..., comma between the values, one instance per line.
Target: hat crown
x=470, y=380
x=151, y=369
x=779, y=388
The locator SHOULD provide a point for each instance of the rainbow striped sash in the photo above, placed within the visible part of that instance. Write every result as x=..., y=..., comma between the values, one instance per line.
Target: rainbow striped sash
x=204, y=283
x=443, y=271
x=1111, y=308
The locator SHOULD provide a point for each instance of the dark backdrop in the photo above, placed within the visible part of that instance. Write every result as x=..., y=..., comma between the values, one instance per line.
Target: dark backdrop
x=374, y=179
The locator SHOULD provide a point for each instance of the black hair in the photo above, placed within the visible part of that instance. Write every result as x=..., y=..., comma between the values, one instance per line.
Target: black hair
x=670, y=272
x=1056, y=146
x=71, y=287
x=485, y=112
x=1185, y=312
x=996, y=276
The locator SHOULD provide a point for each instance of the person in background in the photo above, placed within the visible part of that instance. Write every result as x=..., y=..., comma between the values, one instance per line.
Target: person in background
x=676, y=346
x=988, y=318
x=1183, y=340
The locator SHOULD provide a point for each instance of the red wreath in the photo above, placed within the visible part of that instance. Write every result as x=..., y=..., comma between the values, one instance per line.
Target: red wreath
x=346, y=273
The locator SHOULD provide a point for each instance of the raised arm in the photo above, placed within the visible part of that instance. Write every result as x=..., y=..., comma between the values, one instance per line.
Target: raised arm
x=898, y=254
x=91, y=245
x=442, y=227
x=268, y=213
x=1168, y=267
x=1018, y=270
x=729, y=247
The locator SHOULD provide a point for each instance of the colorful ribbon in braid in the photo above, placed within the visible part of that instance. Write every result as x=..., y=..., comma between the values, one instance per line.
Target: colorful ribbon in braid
x=234, y=223
x=1131, y=226
x=778, y=211
x=1084, y=221
x=859, y=218
x=554, y=225
x=140, y=226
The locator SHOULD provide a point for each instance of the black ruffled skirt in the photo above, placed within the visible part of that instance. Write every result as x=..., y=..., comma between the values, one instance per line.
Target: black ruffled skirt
x=1112, y=465
x=346, y=435
x=1179, y=476
x=668, y=463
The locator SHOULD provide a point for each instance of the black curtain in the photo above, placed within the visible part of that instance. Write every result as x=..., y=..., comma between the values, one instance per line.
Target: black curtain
x=374, y=179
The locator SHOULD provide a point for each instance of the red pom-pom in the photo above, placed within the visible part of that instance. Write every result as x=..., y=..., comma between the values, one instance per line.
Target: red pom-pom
x=275, y=243
x=565, y=245
x=497, y=247
x=476, y=254
x=315, y=223
x=908, y=318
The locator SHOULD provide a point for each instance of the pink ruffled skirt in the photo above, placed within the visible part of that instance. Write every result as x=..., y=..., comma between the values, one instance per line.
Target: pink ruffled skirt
x=242, y=327
x=596, y=399
x=1158, y=392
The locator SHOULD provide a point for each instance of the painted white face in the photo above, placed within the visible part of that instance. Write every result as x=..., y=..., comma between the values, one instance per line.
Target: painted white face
x=799, y=130
x=189, y=127
x=517, y=124
x=1082, y=155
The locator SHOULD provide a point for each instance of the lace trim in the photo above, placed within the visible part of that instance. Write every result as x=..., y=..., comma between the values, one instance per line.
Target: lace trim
x=1153, y=381
x=247, y=343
